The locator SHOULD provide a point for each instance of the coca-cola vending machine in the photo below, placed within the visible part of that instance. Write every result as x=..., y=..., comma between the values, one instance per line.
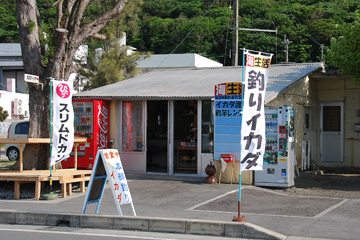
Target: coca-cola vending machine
x=91, y=120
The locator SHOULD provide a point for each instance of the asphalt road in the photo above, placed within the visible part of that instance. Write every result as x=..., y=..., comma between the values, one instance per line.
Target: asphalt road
x=297, y=214
x=60, y=233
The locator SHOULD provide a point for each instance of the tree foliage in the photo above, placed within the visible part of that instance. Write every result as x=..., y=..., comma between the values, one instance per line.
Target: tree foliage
x=8, y=26
x=344, y=50
x=308, y=24
x=114, y=65
x=3, y=114
x=159, y=26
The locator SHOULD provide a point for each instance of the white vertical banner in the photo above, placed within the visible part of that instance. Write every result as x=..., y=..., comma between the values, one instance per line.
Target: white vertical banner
x=63, y=122
x=253, y=119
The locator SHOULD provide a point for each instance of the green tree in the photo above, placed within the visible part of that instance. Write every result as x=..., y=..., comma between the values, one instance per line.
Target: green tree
x=114, y=65
x=344, y=50
x=50, y=32
x=8, y=26
x=3, y=114
x=307, y=23
x=165, y=23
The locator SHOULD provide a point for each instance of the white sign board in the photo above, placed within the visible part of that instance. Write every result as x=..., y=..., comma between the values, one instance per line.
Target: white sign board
x=108, y=160
x=31, y=78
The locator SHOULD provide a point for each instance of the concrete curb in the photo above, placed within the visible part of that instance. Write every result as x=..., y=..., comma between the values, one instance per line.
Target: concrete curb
x=150, y=224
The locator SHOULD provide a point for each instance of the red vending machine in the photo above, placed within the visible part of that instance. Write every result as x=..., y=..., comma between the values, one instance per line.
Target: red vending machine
x=91, y=120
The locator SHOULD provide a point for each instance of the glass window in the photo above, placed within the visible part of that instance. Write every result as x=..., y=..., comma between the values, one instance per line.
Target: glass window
x=331, y=118
x=207, y=130
x=132, y=139
x=22, y=128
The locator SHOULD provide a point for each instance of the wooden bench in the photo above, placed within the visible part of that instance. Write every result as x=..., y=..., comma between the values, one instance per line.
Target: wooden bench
x=65, y=178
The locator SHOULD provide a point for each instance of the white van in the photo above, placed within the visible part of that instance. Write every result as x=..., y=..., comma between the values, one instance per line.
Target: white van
x=17, y=129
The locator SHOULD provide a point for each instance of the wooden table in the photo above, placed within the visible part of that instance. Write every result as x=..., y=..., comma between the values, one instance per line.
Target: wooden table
x=65, y=177
x=22, y=141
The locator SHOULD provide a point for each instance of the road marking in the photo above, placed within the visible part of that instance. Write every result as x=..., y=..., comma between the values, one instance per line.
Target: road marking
x=84, y=234
x=271, y=215
x=215, y=198
x=258, y=214
x=331, y=208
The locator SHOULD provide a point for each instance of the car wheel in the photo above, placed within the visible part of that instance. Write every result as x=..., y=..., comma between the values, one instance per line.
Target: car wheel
x=13, y=154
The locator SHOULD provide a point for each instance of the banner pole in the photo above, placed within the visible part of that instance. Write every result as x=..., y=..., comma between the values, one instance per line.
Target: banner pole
x=51, y=136
x=51, y=195
x=239, y=218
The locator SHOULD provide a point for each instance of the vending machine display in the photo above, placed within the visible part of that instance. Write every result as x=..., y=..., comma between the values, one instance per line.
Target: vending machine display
x=278, y=167
x=91, y=120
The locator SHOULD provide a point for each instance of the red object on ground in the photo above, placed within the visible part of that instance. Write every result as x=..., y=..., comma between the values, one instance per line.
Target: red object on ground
x=227, y=157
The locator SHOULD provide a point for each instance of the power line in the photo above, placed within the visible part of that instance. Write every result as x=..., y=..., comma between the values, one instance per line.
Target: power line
x=308, y=34
x=187, y=35
x=275, y=28
x=227, y=32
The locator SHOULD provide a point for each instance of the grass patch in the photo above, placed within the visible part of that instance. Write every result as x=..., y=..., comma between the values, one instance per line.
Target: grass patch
x=5, y=163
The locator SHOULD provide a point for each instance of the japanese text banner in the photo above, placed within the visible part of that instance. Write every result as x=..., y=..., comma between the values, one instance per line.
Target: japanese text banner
x=116, y=176
x=253, y=120
x=63, y=122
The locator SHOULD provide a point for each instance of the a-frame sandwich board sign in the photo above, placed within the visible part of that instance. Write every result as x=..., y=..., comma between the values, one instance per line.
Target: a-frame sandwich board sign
x=108, y=166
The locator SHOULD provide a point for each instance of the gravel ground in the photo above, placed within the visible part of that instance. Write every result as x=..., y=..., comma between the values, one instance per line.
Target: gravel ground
x=327, y=183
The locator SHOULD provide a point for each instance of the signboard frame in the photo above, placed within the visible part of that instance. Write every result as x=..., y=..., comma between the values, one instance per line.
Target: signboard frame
x=107, y=166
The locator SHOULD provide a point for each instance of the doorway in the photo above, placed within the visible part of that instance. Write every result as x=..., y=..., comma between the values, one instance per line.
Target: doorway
x=307, y=121
x=157, y=136
x=185, y=137
x=332, y=131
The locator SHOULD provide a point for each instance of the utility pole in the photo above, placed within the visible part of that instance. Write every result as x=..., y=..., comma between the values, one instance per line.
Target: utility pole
x=235, y=47
x=322, y=52
x=287, y=43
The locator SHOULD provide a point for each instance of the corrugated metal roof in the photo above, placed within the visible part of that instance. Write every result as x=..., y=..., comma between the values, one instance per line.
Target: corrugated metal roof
x=19, y=64
x=195, y=83
x=10, y=49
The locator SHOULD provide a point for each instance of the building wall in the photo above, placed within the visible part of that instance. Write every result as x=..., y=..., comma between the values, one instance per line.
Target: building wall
x=300, y=96
x=7, y=102
x=341, y=89
x=18, y=75
x=310, y=93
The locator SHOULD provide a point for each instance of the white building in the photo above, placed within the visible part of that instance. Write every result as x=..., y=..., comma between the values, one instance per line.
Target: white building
x=13, y=98
x=165, y=61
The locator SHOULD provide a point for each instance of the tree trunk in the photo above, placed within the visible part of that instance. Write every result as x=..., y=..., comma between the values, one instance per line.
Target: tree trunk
x=67, y=38
x=36, y=156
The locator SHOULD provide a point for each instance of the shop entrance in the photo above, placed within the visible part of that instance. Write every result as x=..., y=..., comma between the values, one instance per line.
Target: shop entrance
x=157, y=136
x=185, y=137
x=332, y=134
